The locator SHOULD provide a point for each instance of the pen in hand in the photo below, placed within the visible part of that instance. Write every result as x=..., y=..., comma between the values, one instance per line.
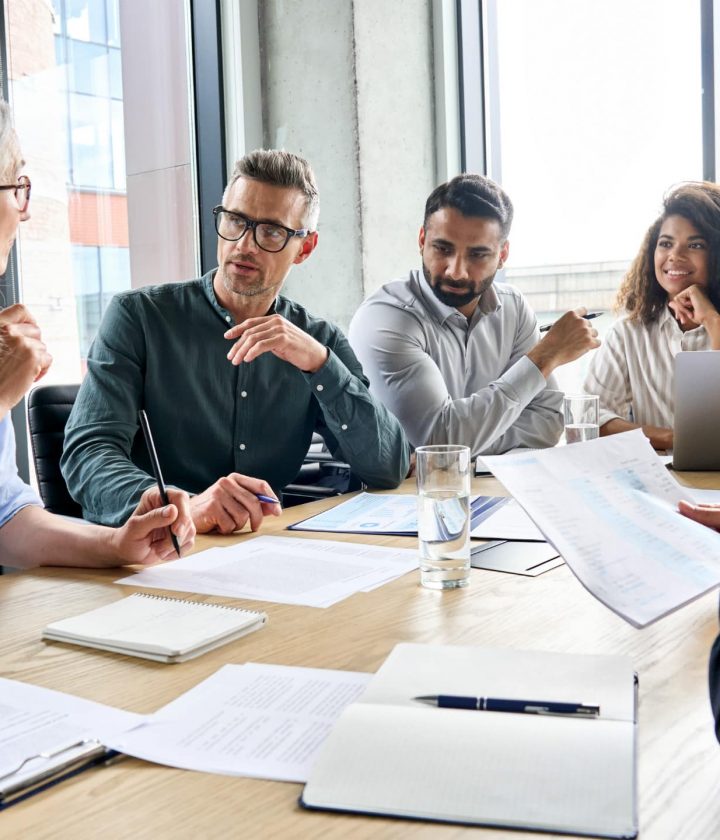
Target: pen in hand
x=268, y=499
x=145, y=426
x=588, y=317
x=498, y=704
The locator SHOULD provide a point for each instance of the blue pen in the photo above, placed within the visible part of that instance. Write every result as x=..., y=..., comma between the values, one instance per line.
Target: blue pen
x=268, y=499
x=498, y=704
x=588, y=317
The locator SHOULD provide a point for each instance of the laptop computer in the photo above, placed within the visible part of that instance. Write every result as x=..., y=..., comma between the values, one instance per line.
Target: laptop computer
x=696, y=436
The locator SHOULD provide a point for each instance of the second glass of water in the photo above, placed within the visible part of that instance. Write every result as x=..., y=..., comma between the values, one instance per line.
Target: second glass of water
x=581, y=417
x=443, y=478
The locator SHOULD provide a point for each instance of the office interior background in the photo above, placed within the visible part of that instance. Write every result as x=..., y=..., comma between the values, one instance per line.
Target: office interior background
x=131, y=113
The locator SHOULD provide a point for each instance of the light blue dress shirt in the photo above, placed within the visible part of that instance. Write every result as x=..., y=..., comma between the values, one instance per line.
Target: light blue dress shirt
x=14, y=493
x=452, y=380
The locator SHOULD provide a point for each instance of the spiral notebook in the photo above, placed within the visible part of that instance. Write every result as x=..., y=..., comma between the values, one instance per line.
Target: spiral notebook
x=153, y=627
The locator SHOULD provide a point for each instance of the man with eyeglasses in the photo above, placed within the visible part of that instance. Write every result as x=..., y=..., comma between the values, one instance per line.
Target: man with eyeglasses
x=234, y=377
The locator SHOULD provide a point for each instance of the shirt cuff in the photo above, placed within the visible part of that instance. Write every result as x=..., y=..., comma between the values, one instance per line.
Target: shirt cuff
x=524, y=380
x=330, y=380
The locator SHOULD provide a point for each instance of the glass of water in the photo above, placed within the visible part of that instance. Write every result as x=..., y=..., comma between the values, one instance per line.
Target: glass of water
x=443, y=479
x=581, y=417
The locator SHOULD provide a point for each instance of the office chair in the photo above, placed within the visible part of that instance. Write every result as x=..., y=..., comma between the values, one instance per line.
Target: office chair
x=48, y=411
x=320, y=477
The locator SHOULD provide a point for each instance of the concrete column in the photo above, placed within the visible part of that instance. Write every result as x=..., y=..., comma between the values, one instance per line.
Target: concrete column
x=349, y=85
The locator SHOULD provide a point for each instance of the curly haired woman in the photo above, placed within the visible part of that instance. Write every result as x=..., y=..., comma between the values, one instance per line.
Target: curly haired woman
x=670, y=298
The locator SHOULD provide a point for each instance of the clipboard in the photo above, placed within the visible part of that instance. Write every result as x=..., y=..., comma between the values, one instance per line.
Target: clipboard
x=45, y=769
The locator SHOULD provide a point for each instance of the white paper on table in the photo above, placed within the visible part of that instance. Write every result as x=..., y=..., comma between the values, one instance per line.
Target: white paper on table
x=285, y=570
x=507, y=522
x=609, y=508
x=35, y=720
x=265, y=721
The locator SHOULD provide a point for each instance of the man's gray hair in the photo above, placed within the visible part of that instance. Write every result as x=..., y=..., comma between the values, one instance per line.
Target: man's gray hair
x=282, y=169
x=10, y=157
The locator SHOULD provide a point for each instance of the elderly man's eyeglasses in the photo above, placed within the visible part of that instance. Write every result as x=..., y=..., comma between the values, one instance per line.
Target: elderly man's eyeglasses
x=22, y=191
x=268, y=236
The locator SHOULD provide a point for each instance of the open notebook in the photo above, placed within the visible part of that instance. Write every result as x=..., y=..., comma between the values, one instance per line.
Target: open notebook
x=390, y=755
x=153, y=627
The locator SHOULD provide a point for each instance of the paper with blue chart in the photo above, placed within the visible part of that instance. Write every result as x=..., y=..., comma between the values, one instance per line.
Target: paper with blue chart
x=609, y=506
x=393, y=514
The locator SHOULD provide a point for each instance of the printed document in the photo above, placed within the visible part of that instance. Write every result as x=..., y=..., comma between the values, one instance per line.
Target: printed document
x=392, y=513
x=284, y=570
x=39, y=726
x=507, y=522
x=265, y=721
x=609, y=507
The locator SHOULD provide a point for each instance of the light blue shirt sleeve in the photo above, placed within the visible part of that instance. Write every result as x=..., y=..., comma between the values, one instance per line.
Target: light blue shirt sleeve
x=14, y=493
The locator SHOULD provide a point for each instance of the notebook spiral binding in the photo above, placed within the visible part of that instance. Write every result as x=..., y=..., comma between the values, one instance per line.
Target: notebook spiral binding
x=195, y=603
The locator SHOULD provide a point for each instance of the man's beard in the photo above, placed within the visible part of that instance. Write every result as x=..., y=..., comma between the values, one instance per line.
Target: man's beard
x=464, y=292
x=250, y=290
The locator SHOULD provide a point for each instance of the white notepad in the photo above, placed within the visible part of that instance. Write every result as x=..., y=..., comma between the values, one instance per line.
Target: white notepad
x=153, y=627
x=393, y=756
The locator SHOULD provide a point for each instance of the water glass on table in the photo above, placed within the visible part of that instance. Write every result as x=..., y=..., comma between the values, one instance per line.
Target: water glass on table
x=443, y=481
x=580, y=414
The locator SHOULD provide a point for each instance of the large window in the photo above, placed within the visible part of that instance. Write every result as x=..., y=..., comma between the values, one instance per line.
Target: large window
x=592, y=110
x=66, y=92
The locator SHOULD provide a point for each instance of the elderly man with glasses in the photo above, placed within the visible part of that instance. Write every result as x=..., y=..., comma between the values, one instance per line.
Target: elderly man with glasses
x=234, y=377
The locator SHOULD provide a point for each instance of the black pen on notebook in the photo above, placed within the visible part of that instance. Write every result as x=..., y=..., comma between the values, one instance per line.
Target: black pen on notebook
x=145, y=426
x=588, y=317
x=499, y=704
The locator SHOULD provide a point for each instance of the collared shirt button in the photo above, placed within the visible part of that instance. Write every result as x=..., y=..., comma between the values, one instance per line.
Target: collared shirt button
x=243, y=393
x=228, y=318
x=242, y=446
x=344, y=427
x=319, y=387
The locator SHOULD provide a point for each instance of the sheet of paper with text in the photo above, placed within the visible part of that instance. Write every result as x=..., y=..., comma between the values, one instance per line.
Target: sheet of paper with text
x=609, y=506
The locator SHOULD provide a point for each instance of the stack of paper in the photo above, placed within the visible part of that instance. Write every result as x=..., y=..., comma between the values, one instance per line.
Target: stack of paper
x=265, y=721
x=284, y=570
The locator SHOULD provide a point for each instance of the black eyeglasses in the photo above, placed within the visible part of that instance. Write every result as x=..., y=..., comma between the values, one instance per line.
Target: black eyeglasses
x=268, y=236
x=23, y=186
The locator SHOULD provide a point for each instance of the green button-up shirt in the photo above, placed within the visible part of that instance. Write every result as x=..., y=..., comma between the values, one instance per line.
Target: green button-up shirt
x=162, y=348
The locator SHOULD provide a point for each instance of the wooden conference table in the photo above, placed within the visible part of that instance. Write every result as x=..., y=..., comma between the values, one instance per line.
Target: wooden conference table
x=679, y=759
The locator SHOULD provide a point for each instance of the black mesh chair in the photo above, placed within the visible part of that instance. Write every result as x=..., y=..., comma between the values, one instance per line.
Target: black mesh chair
x=48, y=411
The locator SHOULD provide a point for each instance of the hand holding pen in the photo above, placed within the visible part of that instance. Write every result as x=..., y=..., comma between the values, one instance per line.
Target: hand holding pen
x=232, y=502
x=150, y=443
x=588, y=317
x=570, y=337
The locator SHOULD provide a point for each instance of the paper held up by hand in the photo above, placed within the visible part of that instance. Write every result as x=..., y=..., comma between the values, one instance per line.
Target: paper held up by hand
x=609, y=507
